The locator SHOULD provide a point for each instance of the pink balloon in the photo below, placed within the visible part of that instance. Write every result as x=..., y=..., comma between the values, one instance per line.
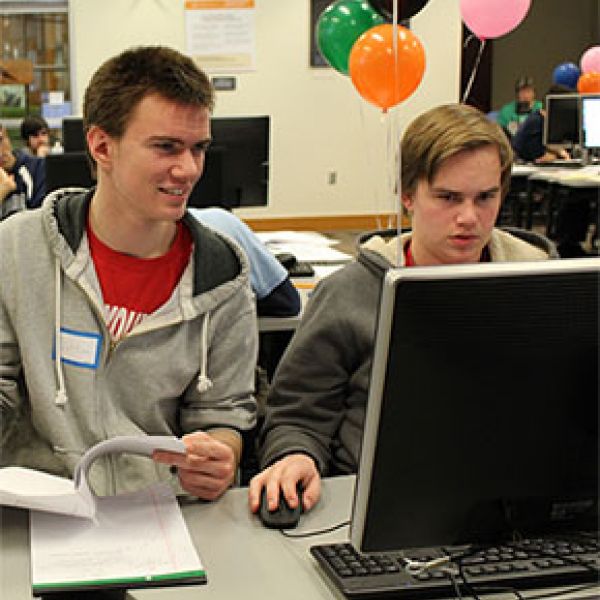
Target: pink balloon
x=590, y=60
x=493, y=18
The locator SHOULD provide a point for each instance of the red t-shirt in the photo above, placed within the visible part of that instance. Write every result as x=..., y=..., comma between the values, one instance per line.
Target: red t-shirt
x=135, y=287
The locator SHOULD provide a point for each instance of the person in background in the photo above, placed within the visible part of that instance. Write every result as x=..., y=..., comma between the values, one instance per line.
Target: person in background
x=141, y=320
x=528, y=142
x=35, y=134
x=513, y=114
x=456, y=169
x=22, y=178
x=276, y=296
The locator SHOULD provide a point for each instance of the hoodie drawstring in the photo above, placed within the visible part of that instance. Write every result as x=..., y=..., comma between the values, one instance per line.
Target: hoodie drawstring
x=61, y=398
x=61, y=394
x=204, y=383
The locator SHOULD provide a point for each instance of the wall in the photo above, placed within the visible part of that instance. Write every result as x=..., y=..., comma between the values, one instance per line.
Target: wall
x=554, y=32
x=319, y=123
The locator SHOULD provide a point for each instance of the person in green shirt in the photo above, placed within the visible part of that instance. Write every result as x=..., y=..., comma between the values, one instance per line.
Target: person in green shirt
x=511, y=115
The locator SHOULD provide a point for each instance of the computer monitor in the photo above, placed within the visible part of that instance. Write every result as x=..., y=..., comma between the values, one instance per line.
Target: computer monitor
x=482, y=414
x=561, y=125
x=590, y=121
x=70, y=169
x=236, y=171
x=73, y=137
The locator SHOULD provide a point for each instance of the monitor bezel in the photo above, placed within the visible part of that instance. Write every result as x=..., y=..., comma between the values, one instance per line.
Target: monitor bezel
x=393, y=280
x=550, y=98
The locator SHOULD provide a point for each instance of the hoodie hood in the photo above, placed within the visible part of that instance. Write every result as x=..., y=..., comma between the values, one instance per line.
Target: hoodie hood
x=218, y=267
x=379, y=250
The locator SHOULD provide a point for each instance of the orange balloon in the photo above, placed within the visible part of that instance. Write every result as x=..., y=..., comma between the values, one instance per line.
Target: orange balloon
x=589, y=83
x=380, y=77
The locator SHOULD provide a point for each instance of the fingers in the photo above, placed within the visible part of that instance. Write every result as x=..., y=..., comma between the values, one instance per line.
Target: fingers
x=200, y=449
x=207, y=468
x=282, y=477
x=204, y=486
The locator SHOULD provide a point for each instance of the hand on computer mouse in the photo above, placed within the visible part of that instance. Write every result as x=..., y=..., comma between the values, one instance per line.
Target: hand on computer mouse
x=281, y=479
x=284, y=516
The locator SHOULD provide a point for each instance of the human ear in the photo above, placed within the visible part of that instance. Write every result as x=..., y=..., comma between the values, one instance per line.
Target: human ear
x=99, y=145
x=407, y=202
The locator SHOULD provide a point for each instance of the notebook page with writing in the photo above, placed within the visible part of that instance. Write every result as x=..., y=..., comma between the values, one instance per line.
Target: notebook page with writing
x=138, y=539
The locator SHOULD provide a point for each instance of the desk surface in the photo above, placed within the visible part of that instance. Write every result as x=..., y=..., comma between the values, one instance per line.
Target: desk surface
x=588, y=176
x=241, y=557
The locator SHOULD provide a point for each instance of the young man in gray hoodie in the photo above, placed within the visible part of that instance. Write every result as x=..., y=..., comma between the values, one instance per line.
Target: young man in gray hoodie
x=456, y=168
x=120, y=314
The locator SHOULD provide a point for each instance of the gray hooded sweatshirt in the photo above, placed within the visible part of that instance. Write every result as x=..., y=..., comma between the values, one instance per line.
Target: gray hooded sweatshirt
x=188, y=366
x=319, y=394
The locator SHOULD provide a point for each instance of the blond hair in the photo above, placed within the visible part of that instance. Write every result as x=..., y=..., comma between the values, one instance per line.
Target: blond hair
x=441, y=133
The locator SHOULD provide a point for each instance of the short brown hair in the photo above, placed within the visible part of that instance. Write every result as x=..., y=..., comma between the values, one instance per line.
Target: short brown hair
x=118, y=86
x=441, y=133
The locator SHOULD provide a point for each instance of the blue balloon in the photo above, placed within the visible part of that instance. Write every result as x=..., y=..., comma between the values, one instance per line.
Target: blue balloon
x=566, y=74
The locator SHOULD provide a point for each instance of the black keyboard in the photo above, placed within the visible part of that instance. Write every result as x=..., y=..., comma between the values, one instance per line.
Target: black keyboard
x=431, y=574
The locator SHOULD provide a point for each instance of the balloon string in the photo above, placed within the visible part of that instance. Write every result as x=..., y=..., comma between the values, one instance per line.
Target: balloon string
x=399, y=249
x=469, y=39
x=395, y=42
x=473, y=73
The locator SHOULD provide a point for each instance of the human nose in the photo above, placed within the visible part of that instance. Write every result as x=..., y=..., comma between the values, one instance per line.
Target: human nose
x=467, y=213
x=189, y=166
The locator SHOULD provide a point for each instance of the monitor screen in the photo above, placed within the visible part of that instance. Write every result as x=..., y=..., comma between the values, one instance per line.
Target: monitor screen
x=561, y=125
x=590, y=121
x=482, y=419
x=70, y=169
x=236, y=171
x=73, y=137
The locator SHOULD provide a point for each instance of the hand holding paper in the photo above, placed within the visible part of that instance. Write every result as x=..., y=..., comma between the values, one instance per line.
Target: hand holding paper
x=28, y=488
x=208, y=467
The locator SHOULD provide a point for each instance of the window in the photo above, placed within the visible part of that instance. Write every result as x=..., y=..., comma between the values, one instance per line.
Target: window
x=34, y=53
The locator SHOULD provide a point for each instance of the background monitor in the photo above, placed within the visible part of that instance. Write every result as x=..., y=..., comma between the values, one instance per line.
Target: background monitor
x=73, y=137
x=590, y=121
x=70, y=169
x=482, y=418
x=236, y=171
x=561, y=125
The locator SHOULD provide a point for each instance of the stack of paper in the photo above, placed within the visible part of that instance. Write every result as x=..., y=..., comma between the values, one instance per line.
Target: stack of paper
x=306, y=246
x=83, y=542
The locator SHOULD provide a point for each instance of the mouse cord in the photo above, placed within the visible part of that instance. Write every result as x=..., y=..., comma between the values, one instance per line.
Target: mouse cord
x=287, y=532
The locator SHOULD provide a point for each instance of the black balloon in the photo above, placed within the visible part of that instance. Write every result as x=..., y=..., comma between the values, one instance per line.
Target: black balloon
x=406, y=8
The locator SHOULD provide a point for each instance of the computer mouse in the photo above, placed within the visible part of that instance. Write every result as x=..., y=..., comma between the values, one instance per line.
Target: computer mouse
x=283, y=517
x=287, y=259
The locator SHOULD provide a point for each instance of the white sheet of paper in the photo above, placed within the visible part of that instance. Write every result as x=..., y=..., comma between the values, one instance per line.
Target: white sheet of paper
x=36, y=490
x=27, y=488
x=140, y=536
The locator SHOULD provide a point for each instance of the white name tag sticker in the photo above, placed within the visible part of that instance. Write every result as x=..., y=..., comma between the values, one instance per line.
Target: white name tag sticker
x=80, y=348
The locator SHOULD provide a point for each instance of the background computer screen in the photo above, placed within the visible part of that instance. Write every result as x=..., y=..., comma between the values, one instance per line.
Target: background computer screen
x=73, y=137
x=482, y=418
x=70, y=169
x=236, y=171
x=590, y=121
x=561, y=125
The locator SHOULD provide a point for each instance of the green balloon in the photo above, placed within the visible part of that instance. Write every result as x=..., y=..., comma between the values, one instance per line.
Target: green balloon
x=340, y=25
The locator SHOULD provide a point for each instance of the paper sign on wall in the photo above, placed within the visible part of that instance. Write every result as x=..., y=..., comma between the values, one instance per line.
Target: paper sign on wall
x=220, y=34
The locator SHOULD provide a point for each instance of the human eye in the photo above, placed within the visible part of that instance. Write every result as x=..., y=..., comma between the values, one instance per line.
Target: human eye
x=166, y=146
x=201, y=147
x=447, y=196
x=487, y=196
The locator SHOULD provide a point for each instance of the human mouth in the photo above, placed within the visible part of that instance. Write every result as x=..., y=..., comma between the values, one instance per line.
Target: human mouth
x=463, y=239
x=173, y=191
